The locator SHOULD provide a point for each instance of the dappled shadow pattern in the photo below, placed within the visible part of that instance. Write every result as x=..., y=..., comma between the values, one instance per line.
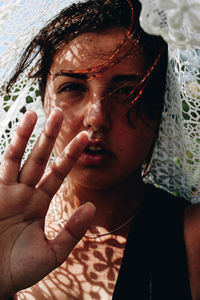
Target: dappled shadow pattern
x=90, y=272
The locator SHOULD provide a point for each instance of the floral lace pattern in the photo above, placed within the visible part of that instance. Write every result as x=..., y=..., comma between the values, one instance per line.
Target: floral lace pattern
x=76, y=278
x=176, y=158
x=177, y=21
x=24, y=96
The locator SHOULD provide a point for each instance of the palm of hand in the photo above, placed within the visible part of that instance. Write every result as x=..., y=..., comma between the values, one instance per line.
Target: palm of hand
x=28, y=247
x=26, y=255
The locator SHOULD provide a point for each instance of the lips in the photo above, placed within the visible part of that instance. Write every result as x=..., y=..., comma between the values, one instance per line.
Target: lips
x=96, y=153
x=95, y=150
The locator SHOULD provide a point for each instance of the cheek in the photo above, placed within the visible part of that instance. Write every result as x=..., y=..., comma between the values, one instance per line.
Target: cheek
x=71, y=126
x=133, y=144
x=49, y=98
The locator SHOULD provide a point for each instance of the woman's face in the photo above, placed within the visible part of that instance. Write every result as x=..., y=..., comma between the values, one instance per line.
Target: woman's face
x=115, y=150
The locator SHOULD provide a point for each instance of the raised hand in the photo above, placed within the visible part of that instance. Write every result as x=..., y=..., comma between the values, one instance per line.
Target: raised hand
x=26, y=255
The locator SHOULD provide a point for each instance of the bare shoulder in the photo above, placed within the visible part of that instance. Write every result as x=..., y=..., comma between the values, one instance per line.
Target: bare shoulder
x=192, y=218
x=192, y=242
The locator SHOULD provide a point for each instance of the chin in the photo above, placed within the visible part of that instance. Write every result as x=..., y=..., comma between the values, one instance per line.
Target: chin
x=95, y=182
x=101, y=178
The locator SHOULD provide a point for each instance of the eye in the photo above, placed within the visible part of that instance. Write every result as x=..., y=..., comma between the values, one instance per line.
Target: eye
x=124, y=90
x=122, y=95
x=71, y=87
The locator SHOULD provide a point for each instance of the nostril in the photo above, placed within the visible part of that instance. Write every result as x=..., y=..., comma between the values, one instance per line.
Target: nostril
x=96, y=117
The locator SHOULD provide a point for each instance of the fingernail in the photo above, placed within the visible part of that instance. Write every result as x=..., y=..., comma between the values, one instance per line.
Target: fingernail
x=81, y=219
x=58, y=161
x=31, y=118
x=54, y=110
x=57, y=108
x=76, y=143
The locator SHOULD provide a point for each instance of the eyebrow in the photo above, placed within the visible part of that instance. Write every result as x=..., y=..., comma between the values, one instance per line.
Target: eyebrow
x=85, y=76
x=126, y=77
x=82, y=76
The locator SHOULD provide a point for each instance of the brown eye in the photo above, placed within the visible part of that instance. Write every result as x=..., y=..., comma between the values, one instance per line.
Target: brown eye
x=125, y=90
x=122, y=95
x=71, y=87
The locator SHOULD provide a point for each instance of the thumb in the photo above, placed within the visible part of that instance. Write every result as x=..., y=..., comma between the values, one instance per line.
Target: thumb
x=72, y=232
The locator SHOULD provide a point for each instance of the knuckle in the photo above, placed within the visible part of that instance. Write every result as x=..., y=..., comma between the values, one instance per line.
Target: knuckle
x=72, y=232
x=14, y=159
x=40, y=161
x=49, y=136
x=57, y=172
x=12, y=155
x=70, y=157
x=22, y=135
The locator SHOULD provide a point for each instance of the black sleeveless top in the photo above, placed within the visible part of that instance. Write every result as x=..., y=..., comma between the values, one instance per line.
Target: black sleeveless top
x=154, y=266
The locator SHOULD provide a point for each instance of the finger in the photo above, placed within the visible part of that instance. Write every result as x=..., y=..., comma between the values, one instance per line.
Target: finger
x=73, y=231
x=10, y=164
x=36, y=163
x=63, y=164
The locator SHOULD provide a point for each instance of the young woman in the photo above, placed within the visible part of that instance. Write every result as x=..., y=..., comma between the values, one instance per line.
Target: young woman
x=102, y=81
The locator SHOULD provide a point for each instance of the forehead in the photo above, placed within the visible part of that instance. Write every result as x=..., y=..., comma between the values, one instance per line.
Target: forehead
x=90, y=50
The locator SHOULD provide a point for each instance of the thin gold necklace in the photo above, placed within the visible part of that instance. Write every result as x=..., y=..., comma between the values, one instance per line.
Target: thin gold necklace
x=97, y=235
x=94, y=235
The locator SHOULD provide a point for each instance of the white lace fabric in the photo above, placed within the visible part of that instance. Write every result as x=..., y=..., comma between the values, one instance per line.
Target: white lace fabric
x=177, y=21
x=176, y=157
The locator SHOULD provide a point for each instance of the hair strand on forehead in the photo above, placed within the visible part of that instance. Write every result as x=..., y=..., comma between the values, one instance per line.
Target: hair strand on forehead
x=91, y=16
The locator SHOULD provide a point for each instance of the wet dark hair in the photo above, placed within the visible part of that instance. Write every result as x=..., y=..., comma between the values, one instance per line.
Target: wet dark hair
x=96, y=16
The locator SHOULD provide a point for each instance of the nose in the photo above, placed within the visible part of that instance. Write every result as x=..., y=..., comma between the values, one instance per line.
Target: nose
x=97, y=117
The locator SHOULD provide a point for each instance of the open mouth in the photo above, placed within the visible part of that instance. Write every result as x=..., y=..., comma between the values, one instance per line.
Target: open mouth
x=95, y=150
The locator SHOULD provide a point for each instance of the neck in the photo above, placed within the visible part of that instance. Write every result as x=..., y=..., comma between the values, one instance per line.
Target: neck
x=115, y=205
